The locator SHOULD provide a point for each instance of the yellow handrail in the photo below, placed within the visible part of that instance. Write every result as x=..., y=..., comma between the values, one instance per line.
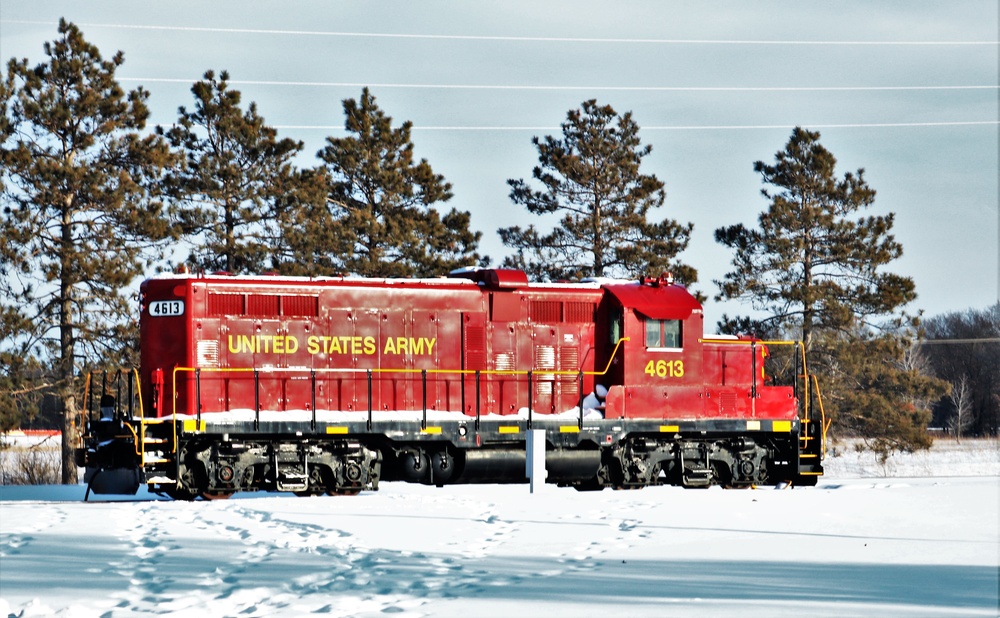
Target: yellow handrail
x=83, y=408
x=769, y=342
x=138, y=436
x=807, y=416
x=508, y=372
x=824, y=422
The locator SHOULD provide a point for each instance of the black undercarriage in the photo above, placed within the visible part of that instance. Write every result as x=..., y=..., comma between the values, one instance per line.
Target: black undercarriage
x=195, y=458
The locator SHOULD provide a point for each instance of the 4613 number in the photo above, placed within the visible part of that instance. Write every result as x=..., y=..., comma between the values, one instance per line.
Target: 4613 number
x=665, y=369
x=163, y=308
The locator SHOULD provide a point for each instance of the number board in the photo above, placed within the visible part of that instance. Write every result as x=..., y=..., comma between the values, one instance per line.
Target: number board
x=166, y=308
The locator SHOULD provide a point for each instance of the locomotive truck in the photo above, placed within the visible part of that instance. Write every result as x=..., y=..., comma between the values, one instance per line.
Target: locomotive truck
x=332, y=385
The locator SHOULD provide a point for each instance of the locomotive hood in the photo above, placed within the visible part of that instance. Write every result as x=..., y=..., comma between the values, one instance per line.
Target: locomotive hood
x=655, y=299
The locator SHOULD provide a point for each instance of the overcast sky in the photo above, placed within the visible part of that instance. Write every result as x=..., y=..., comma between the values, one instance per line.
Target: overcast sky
x=906, y=90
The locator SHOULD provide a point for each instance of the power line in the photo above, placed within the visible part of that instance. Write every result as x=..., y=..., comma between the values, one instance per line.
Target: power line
x=958, y=341
x=516, y=39
x=246, y=82
x=673, y=128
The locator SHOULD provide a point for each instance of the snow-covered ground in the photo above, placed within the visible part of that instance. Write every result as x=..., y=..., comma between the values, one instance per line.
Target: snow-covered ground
x=896, y=540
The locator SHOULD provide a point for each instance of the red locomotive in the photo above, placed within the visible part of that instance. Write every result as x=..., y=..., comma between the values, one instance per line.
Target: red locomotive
x=331, y=385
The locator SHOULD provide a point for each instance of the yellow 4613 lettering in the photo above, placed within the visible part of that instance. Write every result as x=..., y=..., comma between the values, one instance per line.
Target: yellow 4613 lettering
x=665, y=368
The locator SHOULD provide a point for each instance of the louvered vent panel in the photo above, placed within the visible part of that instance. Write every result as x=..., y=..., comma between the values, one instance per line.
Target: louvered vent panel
x=569, y=360
x=207, y=351
x=475, y=347
x=504, y=362
x=300, y=305
x=580, y=312
x=545, y=358
x=549, y=311
x=727, y=402
x=225, y=304
x=259, y=304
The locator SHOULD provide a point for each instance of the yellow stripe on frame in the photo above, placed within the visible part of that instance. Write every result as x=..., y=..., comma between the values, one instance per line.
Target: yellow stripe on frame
x=569, y=429
x=434, y=430
x=336, y=429
x=193, y=425
x=669, y=428
x=784, y=426
x=508, y=429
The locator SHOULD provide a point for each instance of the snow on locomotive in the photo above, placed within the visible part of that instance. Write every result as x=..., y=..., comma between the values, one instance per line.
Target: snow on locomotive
x=331, y=385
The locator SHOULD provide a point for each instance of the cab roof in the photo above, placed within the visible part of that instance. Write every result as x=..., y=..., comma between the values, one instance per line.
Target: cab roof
x=655, y=300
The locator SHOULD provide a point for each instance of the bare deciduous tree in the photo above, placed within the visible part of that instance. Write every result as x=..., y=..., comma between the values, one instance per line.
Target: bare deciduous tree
x=961, y=397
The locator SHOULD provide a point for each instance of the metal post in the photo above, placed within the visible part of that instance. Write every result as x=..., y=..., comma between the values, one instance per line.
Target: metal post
x=535, y=459
x=581, y=399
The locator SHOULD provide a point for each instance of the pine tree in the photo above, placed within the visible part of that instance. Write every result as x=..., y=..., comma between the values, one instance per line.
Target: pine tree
x=80, y=215
x=809, y=262
x=872, y=393
x=379, y=218
x=591, y=178
x=814, y=266
x=20, y=388
x=236, y=171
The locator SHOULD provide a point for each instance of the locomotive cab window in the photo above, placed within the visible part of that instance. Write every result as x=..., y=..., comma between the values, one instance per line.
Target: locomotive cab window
x=615, y=327
x=663, y=334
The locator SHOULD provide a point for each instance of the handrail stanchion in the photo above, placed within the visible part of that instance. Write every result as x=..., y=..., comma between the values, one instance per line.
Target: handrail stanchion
x=118, y=393
x=478, y=399
x=531, y=396
x=88, y=399
x=581, y=399
x=423, y=382
x=131, y=396
x=312, y=379
x=795, y=373
x=461, y=379
x=197, y=395
x=256, y=399
x=369, y=371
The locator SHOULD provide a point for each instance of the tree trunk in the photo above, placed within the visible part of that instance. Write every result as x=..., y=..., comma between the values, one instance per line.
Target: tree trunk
x=67, y=388
x=67, y=349
x=70, y=436
x=598, y=241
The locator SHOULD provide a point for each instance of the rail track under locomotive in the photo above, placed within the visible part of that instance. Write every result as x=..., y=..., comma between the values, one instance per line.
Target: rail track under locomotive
x=353, y=382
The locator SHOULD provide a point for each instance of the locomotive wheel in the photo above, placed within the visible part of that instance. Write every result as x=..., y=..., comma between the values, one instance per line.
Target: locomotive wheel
x=347, y=491
x=180, y=494
x=217, y=495
x=590, y=485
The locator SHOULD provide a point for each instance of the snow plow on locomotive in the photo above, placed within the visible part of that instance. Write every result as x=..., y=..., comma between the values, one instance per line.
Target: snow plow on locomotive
x=333, y=385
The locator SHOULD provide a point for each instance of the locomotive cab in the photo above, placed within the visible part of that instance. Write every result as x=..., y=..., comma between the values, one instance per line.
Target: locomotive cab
x=661, y=324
